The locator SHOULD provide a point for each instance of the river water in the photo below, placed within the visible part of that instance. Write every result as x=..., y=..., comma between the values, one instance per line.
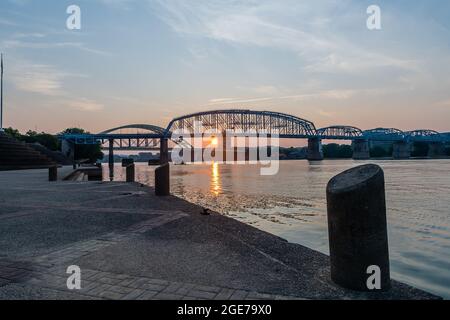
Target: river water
x=292, y=205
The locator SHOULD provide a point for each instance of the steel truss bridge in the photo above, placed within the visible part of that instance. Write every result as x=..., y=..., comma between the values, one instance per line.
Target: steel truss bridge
x=239, y=120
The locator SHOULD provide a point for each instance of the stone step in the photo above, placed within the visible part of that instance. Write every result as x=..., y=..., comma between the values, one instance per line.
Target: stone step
x=18, y=155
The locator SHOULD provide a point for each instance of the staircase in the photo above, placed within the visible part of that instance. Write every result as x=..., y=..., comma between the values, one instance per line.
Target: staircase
x=16, y=155
x=55, y=156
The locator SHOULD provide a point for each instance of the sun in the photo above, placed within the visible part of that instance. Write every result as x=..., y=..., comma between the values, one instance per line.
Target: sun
x=214, y=141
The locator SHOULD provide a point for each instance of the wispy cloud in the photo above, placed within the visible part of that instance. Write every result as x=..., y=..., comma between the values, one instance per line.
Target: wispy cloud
x=330, y=94
x=14, y=44
x=7, y=22
x=286, y=25
x=49, y=81
x=119, y=4
x=83, y=104
x=39, y=78
x=326, y=114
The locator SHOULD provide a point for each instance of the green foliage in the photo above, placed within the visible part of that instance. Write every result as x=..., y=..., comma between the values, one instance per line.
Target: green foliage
x=47, y=140
x=380, y=152
x=292, y=153
x=74, y=131
x=14, y=133
x=83, y=152
x=336, y=151
x=420, y=149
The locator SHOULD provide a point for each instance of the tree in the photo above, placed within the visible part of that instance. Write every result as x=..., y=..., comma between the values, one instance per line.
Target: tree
x=14, y=133
x=336, y=151
x=92, y=152
x=420, y=149
x=380, y=152
x=47, y=140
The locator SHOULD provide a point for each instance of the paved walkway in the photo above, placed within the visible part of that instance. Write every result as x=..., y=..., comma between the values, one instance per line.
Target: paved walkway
x=130, y=244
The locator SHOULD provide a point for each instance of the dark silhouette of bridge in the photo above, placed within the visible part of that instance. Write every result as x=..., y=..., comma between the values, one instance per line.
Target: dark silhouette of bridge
x=272, y=123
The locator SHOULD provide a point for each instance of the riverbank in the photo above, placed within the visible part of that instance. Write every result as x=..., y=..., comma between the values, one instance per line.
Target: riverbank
x=130, y=244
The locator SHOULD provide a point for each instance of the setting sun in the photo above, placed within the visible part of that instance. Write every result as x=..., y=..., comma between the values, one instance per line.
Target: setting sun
x=214, y=141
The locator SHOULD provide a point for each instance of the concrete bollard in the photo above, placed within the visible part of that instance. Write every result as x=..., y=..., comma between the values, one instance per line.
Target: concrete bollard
x=130, y=173
x=53, y=173
x=162, y=180
x=126, y=162
x=358, y=229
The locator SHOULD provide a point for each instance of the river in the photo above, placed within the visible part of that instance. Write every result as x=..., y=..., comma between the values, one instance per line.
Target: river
x=292, y=205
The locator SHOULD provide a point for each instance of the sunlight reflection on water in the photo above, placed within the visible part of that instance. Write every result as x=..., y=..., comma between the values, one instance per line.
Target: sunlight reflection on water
x=292, y=205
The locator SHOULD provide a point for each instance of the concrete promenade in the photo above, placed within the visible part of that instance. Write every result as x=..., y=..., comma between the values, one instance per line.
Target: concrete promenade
x=130, y=244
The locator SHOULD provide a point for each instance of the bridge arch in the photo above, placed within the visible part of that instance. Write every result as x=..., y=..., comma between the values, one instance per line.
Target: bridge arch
x=238, y=119
x=339, y=132
x=149, y=127
x=424, y=135
x=384, y=134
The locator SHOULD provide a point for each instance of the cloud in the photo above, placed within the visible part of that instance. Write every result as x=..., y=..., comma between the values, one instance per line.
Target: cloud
x=327, y=114
x=39, y=78
x=83, y=104
x=304, y=29
x=120, y=4
x=13, y=44
x=7, y=22
x=47, y=80
x=325, y=94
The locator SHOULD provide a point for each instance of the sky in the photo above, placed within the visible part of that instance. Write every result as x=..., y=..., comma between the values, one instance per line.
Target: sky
x=148, y=61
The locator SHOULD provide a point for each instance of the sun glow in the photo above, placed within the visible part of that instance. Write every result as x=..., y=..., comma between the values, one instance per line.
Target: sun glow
x=214, y=141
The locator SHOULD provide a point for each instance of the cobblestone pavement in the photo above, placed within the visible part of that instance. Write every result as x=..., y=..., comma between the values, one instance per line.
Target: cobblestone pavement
x=97, y=284
x=43, y=276
x=47, y=274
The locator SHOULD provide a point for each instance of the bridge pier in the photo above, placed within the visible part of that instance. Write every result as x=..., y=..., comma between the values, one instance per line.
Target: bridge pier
x=315, y=151
x=241, y=152
x=401, y=150
x=111, y=159
x=196, y=149
x=164, y=151
x=361, y=150
x=224, y=146
x=436, y=149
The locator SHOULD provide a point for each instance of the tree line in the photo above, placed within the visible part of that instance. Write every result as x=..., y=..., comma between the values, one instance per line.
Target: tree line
x=51, y=142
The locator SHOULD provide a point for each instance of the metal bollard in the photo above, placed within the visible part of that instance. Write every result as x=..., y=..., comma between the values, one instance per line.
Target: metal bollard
x=53, y=173
x=162, y=180
x=130, y=173
x=358, y=229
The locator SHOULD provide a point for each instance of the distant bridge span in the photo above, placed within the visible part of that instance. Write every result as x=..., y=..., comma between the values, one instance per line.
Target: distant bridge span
x=148, y=127
x=340, y=133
